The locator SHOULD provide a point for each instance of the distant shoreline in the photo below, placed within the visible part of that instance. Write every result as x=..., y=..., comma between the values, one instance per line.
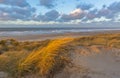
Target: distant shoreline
x=54, y=36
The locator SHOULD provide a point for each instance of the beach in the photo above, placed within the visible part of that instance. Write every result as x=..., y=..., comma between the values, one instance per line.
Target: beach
x=39, y=37
x=83, y=54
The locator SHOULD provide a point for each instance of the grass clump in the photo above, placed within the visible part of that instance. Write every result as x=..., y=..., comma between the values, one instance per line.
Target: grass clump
x=10, y=45
x=9, y=62
x=48, y=60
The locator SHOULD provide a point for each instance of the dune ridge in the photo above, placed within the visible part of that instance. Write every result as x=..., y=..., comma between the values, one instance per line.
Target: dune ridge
x=54, y=58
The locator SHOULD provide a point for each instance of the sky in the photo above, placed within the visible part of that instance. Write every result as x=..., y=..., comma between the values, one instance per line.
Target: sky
x=59, y=11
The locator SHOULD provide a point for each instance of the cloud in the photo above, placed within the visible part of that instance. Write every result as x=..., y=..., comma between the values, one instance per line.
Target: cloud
x=52, y=15
x=88, y=13
x=49, y=16
x=109, y=12
x=91, y=14
x=104, y=12
x=13, y=13
x=15, y=9
x=26, y=22
x=20, y=9
x=20, y=3
x=79, y=13
x=117, y=18
x=84, y=6
x=76, y=14
x=114, y=7
x=101, y=19
x=47, y=3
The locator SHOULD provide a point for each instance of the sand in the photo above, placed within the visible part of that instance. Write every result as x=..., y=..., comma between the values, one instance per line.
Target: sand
x=93, y=64
x=53, y=36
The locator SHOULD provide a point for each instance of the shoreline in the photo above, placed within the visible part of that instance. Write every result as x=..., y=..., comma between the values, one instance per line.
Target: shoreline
x=42, y=37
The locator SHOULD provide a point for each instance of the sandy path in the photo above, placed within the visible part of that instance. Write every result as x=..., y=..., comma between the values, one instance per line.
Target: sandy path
x=3, y=75
x=92, y=64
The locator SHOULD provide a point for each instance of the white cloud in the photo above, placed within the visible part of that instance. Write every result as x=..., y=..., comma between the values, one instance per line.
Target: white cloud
x=117, y=18
x=74, y=15
x=21, y=22
x=101, y=19
x=76, y=11
x=32, y=22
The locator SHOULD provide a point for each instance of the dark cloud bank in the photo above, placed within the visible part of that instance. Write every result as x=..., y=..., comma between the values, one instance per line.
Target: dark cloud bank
x=21, y=9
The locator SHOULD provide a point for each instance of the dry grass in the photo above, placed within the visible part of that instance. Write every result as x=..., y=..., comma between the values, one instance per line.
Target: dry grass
x=9, y=62
x=48, y=60
x=13, y=45
x=107, y=40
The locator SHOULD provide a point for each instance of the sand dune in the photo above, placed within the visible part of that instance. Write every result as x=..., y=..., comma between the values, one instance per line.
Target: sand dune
x=91, y=56
x=93, y=64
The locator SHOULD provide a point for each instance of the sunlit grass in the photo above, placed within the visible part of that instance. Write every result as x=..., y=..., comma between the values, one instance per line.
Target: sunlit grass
x=48, y=60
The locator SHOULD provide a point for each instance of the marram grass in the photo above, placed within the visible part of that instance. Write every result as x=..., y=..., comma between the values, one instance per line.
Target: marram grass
x=47, y=60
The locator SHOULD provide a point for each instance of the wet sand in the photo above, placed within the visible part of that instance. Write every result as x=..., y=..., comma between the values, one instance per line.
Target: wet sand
x=54, y=36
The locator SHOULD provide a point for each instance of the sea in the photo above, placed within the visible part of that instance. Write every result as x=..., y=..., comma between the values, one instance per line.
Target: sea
x=19, y=31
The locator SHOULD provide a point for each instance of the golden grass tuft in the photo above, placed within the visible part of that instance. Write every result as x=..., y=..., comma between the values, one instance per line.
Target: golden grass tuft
x=48, y=60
